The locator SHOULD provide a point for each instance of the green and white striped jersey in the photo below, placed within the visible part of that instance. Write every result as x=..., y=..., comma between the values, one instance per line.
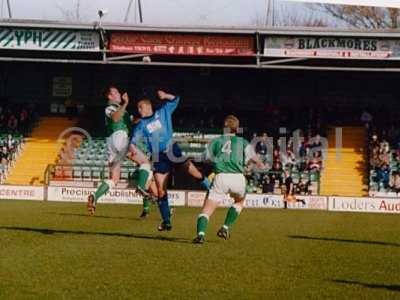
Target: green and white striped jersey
x=124, y=124
x=229, y=153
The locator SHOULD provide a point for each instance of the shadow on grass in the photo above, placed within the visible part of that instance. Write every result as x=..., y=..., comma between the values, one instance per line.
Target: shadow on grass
x=47, y=231
x=389, y=287
x=95, y=216
x=302, y=237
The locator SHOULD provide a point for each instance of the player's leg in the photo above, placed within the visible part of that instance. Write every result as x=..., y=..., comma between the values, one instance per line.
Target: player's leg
x=161, y=180
x=117, y=148
x=231, y=216
x=148, y=199
x=144, y=172
x=216, y=194
x=237, y=189
x=189, y=167
x=209, y=206
x=104, y=187
x=195, y=173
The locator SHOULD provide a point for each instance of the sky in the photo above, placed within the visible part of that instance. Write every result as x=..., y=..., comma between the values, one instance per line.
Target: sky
x=155, y=12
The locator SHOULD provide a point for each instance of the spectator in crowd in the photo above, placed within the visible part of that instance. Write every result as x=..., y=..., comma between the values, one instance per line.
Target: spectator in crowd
x=303, y=150
x=3, y=122
x=383, y=177
x=303, y=187
x=276, y=172
x=262, y=146
x=4, y=156
x=374, y=143
x=276, y=156
x=315, y=163
x=394, y=182
x=366, y=118
x=289, y=160
x=375, y=161
x=384, y=152
x=315, y=142
x=23, y=120
x=268, y=185
x=10, y=143
x=12, y=123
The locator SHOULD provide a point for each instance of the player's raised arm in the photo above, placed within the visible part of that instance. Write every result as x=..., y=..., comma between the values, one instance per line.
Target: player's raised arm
x=172, y=101
x=117, y=115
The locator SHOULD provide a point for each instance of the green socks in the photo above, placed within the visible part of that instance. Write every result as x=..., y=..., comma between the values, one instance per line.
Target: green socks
x=231, y=216
x=143, y=176
x=103, y=188
x=146, y=204
x=202, y=222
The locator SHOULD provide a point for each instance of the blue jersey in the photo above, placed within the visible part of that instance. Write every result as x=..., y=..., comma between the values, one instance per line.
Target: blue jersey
x=156, y=131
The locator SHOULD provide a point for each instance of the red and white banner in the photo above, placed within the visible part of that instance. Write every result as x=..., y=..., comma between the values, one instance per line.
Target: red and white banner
x=120, y=196
x=14, y=192
x=182, y=44
x=360, y=204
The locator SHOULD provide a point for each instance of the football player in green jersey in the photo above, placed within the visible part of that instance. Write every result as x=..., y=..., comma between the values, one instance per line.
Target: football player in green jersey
x=118, y=125
x=229, y=154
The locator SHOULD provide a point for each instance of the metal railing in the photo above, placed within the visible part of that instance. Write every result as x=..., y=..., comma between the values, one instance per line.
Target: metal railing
x=65, y=172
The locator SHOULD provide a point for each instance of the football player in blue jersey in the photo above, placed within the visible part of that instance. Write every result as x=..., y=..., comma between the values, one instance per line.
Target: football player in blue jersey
x=156, y=131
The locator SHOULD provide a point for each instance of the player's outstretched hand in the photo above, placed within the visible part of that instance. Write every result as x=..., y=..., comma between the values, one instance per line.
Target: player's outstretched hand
x=125, y=98
x=165, y=96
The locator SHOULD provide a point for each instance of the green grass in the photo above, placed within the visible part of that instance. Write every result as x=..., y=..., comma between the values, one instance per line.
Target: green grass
x=53, y=251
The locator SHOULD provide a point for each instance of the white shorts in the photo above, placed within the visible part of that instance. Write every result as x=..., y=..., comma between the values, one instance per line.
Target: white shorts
x=225, y=184
x=117, y=145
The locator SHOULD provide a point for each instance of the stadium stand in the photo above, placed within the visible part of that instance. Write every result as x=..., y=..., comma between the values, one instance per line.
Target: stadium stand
x=88, y=162
x=41, y=147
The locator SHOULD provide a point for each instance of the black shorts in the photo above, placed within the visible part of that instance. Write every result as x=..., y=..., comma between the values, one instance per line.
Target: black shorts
x=166, y=160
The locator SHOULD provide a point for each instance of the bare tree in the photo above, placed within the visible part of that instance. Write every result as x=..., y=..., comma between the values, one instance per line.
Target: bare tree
x=294, y=18
x=363, y=17
x=285, y=17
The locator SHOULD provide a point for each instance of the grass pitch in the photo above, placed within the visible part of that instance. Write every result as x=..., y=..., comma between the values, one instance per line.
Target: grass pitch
x=54, y=251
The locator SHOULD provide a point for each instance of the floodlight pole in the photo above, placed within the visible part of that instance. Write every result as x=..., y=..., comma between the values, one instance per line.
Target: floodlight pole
x=140, y=11
x=270, y=21
x=128, y=10
x=9, y=9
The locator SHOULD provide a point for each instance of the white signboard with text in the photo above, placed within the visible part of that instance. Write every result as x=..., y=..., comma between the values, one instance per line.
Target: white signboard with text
x=14, y=192
x=360, y=204
x=121, y=196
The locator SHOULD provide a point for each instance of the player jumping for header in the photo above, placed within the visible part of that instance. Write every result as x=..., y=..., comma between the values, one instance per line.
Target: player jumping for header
x=118, y=125
x=229, y=155
x=155, y=129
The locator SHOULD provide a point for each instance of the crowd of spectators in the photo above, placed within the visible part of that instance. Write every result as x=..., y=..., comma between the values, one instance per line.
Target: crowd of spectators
x=10, y=146
x=15, y=122
x=15, y=119
x=384, y=158
x=301, y=158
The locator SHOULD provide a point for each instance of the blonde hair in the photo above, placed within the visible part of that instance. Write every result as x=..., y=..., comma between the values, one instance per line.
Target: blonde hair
x=144, y=100
x=232, y=123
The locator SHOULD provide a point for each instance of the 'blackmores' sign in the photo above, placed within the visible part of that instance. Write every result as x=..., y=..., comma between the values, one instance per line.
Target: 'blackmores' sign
x=332, y=47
